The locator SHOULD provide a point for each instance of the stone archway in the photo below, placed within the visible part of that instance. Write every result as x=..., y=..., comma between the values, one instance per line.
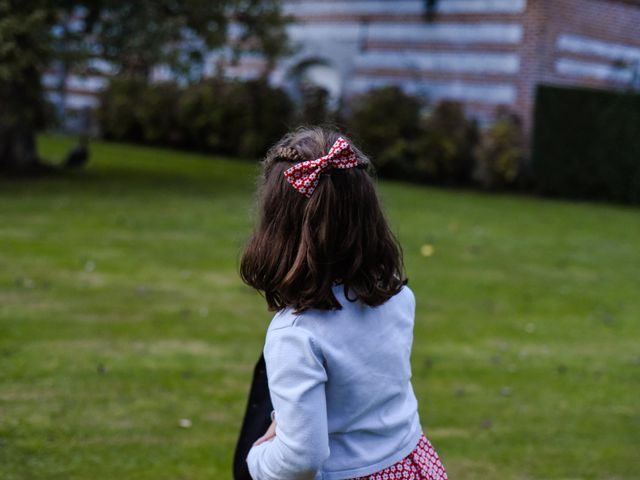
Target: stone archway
x=318, y=74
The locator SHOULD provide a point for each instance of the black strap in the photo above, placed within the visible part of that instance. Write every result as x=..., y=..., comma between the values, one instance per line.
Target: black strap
x=257, y=419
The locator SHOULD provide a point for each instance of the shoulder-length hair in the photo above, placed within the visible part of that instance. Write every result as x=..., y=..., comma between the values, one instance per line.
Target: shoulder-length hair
x=302, y=247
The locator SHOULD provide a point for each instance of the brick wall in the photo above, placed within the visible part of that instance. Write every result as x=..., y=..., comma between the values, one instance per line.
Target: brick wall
x=484, y=53
x=570, y=42
x=593, y=43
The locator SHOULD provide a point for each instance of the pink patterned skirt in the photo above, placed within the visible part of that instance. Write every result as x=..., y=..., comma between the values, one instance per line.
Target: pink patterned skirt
x=422, y=463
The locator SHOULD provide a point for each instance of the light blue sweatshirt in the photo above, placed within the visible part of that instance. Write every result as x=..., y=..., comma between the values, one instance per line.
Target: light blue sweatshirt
x=340, y=384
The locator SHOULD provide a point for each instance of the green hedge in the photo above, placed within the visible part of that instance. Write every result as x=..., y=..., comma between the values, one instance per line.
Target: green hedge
x=406, y=140
x=218, y=116
x=501, y=153
x=409, y=142
x=118, y=114
x=386, y=124
x=586, y=143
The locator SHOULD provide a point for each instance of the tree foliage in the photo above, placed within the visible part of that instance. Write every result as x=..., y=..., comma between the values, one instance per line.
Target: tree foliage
x=132, y=36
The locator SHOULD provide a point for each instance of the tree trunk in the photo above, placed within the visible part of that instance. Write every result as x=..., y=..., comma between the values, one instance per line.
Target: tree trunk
x=18, y=151
x=22, y=114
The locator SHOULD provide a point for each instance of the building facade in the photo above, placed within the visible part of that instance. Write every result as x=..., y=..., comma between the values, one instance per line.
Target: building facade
x=483, y=53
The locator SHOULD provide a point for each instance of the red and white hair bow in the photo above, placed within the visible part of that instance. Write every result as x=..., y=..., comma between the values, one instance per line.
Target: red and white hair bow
x=304, y=176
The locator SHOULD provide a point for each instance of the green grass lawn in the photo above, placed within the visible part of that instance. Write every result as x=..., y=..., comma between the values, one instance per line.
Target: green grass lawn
x=121, y=313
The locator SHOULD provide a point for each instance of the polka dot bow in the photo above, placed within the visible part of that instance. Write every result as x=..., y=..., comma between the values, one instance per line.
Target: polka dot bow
x=304, y=176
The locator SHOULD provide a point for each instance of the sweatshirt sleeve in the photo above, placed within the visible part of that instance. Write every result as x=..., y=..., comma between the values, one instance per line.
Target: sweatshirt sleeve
x=297, y=379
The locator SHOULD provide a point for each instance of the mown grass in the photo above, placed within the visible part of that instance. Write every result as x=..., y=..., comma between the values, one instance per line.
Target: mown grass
x=121, y=312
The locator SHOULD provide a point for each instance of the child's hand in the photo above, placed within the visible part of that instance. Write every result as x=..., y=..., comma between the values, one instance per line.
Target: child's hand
x=268, y=435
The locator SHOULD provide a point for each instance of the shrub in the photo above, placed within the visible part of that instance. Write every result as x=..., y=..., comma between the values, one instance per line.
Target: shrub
x=445, y=151
x=270, y=114
x=216, y=115
x=205, y=116
x=156, y=110
x=500, y=154
x=234, y=117
x=386, y=122
x=117, y=115
x=403, y=143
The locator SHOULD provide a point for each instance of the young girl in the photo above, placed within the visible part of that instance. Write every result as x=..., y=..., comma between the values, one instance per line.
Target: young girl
x=338, y=349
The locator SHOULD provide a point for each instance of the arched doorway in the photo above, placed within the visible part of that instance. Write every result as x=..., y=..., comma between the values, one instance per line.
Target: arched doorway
x=313, y=76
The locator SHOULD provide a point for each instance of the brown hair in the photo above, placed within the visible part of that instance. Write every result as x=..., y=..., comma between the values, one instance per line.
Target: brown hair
x=303, y=246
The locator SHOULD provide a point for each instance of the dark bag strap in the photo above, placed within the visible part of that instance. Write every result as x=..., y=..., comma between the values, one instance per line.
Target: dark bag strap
x=257, y=419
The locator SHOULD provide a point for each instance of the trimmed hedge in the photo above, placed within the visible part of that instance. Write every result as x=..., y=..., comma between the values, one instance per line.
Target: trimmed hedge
x=586, y=143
